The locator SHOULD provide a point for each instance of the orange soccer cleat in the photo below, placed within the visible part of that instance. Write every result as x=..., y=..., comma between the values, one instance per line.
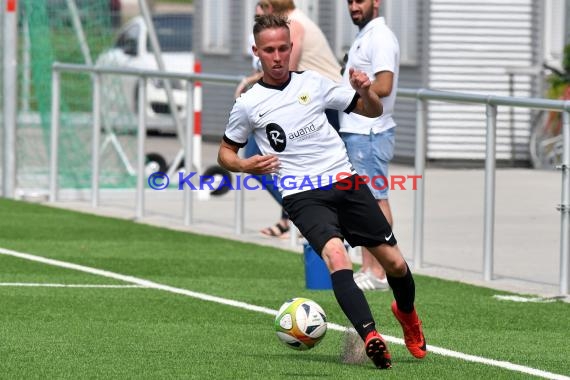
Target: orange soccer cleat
x=377, y=350
x=413, y=334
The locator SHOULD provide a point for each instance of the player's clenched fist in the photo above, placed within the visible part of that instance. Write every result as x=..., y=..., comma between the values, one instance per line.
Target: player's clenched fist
x=358, y=79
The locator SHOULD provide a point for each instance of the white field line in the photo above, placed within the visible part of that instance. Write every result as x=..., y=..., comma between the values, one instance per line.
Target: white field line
x=501, y=297
x=265, y=310
x=41, y=285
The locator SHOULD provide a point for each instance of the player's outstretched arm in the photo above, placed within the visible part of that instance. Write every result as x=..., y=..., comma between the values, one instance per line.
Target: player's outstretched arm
x=229, y=159
x=369, y=103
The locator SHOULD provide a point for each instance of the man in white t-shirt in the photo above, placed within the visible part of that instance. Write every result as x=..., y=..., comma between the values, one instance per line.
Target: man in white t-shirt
x=370, y=142
x=321, y=193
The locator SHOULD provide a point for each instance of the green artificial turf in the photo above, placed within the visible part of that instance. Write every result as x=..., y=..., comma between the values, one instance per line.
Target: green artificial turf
x=135, y=333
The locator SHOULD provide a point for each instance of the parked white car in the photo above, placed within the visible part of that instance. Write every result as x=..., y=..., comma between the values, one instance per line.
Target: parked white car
x=132, y=49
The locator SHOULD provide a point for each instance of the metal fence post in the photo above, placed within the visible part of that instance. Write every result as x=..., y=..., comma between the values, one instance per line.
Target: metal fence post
x=239, y=218
x=54, y=137
x=189, y=152
x=419, y=195
x=95, y=154
x=489, y=215
x=10, y=87
x=293, y=233
x=141, y=158
x=565, y=208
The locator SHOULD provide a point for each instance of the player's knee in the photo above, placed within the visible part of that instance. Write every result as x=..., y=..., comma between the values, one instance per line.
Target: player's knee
x=391, y=259
x=335, y=256
x=396, y=267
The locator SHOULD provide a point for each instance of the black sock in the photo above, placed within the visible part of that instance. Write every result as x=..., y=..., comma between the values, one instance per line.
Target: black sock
x=352, y=302
x=404, y=290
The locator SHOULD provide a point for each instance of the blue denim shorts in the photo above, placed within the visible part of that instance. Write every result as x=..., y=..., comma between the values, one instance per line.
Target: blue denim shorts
x=370, y=156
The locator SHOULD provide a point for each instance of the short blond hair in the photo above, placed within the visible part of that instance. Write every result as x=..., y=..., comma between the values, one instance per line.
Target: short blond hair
x=263, y=22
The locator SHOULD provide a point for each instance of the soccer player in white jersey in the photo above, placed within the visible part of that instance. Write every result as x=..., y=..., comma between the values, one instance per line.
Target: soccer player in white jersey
x=285, y=112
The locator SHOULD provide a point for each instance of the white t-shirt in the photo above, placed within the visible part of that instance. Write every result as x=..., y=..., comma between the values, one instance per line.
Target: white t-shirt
x=316, y=53
x=374, y=49
x=289, y=122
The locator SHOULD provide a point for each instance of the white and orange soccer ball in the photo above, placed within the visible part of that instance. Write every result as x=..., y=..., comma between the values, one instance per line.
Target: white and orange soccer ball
x=301, y=323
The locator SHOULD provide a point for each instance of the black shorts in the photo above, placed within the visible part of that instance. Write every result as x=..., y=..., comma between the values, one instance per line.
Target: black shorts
x=347, y=210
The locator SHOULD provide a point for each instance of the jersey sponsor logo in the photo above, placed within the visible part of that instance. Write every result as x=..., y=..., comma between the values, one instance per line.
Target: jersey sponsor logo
x=304, y=132
x=304, y=98
x=276, y=137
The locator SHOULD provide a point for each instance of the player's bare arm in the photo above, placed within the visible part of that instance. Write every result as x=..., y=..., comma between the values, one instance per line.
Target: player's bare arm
x=229, y=159
x=369, y=103
x=297, y=37
x=383, y=83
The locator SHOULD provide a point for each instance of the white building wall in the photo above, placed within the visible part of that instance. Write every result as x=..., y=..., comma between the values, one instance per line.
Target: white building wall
x=473, y=45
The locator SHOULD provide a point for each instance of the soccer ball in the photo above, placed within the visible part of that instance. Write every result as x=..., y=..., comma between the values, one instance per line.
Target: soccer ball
x=301, y=323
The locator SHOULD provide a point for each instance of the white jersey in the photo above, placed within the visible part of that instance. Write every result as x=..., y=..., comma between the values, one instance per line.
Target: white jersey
x=374, y=49
x=290, y=122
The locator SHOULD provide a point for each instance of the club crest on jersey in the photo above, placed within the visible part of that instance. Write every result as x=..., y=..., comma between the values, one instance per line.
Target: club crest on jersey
x=304, y=98
x=276, y=137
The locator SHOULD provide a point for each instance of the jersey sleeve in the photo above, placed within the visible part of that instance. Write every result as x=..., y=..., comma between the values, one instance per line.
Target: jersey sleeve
x=238, y=128
x=383, y=54
x=338, y=96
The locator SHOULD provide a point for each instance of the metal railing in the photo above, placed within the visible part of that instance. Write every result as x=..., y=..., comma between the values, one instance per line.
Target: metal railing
x=422, y=97
x=143, y=75
x=491, y=103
